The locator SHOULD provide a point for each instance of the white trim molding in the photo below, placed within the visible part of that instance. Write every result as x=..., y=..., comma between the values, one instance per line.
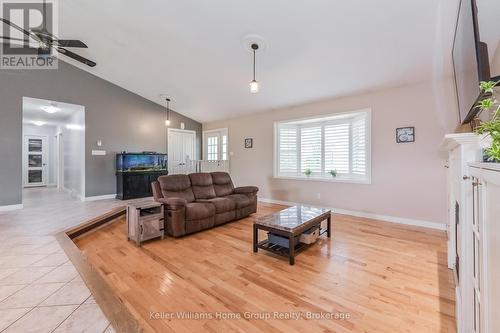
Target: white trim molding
x=100, y=197
x=383, y=218
x=8, y=208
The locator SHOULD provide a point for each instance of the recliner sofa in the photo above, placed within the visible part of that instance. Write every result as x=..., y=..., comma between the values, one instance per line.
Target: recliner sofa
x=200, y=201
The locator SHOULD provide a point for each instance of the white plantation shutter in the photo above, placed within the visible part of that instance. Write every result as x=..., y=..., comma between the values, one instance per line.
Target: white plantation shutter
x=288, y=150
x=310, y=149
x=335, y=142
x=359, y=146
x=337, y=148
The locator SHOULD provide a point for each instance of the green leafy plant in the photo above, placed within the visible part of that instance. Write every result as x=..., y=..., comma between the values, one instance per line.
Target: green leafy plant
x=492, y=126
x=333, y=173
x=307, y=172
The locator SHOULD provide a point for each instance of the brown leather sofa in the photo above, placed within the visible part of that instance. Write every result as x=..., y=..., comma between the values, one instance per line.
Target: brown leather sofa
x=201, y=201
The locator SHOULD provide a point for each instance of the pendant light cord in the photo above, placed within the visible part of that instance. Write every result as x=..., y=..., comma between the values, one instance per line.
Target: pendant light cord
x=168, y=109
x=254, y=65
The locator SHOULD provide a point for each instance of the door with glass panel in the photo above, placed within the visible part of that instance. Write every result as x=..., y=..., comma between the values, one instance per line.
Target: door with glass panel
x=215, y=145
x=35, y=160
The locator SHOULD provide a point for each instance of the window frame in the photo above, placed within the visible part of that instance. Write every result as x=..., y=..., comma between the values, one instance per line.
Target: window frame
x=314, y=121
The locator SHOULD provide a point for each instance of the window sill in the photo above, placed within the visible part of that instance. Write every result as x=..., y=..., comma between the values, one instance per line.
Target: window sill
x=327, y=180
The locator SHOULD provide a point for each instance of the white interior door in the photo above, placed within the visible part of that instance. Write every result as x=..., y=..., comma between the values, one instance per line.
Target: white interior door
x=181, y=147
x=35, y=160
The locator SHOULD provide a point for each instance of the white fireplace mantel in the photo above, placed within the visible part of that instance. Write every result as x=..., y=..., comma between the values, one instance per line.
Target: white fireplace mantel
x=473, y=232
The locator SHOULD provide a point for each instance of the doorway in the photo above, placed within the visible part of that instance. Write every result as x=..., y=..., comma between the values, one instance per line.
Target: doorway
x=53, y=146
x=181, y=149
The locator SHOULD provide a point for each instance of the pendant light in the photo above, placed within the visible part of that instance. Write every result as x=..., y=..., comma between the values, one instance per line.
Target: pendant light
x=167, y=122
x=254, y=85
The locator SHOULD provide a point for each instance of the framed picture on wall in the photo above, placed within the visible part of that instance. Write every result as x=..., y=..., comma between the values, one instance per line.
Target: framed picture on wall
x=405, y=134
x=249, y=143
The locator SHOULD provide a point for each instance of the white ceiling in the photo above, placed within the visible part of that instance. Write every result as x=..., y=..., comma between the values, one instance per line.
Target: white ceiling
x=317, y=49
x=32, y=111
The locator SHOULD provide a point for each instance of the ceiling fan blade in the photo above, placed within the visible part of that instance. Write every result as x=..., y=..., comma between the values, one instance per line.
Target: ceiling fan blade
x=27, y=33
x=69, y=43
x=76, y=57
x=15, y=39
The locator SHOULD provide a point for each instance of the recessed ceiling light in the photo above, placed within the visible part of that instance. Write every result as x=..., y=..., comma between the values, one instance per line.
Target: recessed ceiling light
x=50, y=109
x=38, y=123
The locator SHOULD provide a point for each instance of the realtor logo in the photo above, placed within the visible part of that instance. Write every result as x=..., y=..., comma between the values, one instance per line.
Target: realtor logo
x=26, y=32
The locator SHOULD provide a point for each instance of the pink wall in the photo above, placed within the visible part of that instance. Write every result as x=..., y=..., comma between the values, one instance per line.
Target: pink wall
x=408, y=180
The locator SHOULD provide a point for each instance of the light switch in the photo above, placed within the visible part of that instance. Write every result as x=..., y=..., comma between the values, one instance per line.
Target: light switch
x=98, y=152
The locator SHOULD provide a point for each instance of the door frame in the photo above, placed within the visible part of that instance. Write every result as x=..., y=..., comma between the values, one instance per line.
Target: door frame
x=45, y=163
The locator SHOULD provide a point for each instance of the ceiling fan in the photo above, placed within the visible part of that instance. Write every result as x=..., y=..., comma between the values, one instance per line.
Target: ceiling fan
x=47, y=41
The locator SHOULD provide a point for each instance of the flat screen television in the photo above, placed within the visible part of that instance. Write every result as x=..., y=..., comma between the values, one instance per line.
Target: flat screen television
x=489, y=30
x=470, y=60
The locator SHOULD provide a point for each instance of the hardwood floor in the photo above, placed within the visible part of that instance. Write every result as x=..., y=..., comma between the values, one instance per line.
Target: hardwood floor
x=385, y=277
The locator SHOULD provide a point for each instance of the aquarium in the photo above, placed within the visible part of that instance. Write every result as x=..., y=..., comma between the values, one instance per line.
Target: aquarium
x=141, y=162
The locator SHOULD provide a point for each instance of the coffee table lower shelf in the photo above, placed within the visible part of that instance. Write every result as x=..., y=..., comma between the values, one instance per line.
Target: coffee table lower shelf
x=278, y=249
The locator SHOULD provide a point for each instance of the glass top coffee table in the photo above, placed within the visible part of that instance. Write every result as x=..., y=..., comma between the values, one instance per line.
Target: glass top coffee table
x=290, y=223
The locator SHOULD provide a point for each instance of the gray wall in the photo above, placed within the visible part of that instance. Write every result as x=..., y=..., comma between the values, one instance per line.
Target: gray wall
x=121, y=119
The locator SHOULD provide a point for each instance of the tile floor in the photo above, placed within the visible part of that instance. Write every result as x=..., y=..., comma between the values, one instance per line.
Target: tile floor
x=40, y=290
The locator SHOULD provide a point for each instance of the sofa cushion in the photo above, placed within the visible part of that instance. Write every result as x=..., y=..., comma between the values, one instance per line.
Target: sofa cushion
x=199, y=210
x=176, y=186
x=241, y=200
x=223, y=185
x=202, y=185
x=222, y=205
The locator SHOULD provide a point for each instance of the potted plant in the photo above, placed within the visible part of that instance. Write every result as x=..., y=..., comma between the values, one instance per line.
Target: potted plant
x=491, y=127
x=307, y=172
x=333, y=173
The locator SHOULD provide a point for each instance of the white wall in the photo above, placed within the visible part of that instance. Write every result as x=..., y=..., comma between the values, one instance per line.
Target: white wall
x=50, y=132
x=73, y=142
x=408, y=180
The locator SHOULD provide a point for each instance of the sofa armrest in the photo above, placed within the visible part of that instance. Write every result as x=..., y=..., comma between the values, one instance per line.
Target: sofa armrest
x=246, y=190
x=173, y=203
x=155, y=187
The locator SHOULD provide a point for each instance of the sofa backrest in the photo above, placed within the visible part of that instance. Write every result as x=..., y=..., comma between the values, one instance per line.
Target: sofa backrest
x=223, y=185
x=202, y=185
x=178, y=186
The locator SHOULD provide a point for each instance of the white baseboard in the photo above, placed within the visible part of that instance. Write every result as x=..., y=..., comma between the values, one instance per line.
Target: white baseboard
x=100, y=197
x=386, y=218
x=8, y=208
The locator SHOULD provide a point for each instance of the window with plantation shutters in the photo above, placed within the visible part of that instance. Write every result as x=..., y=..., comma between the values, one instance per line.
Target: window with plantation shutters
x=358, y=146
x=334, y=147
x=337, y=147
x=288, y=150
x=310, y=149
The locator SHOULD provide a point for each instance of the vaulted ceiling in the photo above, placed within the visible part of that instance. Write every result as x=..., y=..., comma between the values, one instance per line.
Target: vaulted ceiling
x=193, y=50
